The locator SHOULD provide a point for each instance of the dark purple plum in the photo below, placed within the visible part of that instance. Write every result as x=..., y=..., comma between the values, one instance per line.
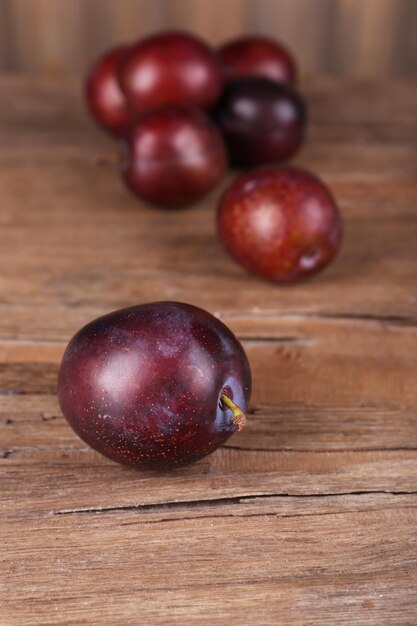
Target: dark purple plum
x=157, y=385
x=262, y=121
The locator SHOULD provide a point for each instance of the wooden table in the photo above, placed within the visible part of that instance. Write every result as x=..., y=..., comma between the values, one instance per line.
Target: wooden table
x=309, y=516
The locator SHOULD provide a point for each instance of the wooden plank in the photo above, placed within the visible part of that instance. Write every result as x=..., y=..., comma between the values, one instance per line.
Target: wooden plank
x=367, y=36
x=346, y=37
x=308, y=516
x=302, y=358
x=187, y=264
x=115, y=23
x=286, y=20
x=40, y=43
x=307, y=395
x=221, y=569
x=376, y=189
x=25, y=430
x=61, y=478
x=206, y=20
x=406, y=55
x=7, y=51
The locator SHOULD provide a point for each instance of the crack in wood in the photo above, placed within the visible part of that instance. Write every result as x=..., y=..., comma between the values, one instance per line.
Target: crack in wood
x=368, y=317
x=5, y=454
x=261, y=514
x=402, y=320
x=321, y=450
x=226, y=501
x=36, y=417
x=273, y=339
x=8, y=452
x=32, y=341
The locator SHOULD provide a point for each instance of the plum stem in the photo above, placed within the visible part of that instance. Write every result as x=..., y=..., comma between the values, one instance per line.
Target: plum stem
x=239, y=418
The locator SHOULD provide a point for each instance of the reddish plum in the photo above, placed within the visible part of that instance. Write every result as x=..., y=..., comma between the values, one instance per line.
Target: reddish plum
x=173, y=155
x=156, y=385
x=257, y=56
x=280, y=223
x=171, y=68
x=262, y=121
x=104, y=96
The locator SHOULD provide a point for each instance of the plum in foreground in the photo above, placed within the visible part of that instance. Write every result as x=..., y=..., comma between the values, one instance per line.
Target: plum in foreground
x=157, y=385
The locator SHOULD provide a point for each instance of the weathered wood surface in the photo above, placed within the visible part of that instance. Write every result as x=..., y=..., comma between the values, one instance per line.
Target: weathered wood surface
x=309, y=515
x=344, y=37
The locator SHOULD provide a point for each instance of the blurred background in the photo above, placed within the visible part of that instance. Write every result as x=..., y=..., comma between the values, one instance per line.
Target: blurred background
x=358, y=38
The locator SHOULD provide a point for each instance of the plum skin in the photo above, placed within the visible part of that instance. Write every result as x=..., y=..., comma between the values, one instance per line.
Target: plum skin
x=257, y=56
x=142, y=385
x=171, y=68
x=173, y=156
x=280, y=223
x=262, y=121
x=104, y=97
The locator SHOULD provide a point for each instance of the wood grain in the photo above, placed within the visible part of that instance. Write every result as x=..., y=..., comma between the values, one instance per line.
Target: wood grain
x=343, y=37
x=308, y=516
x=242, y=565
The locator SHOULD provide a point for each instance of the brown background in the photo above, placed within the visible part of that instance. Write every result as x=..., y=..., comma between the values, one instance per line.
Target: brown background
x=345, y=37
